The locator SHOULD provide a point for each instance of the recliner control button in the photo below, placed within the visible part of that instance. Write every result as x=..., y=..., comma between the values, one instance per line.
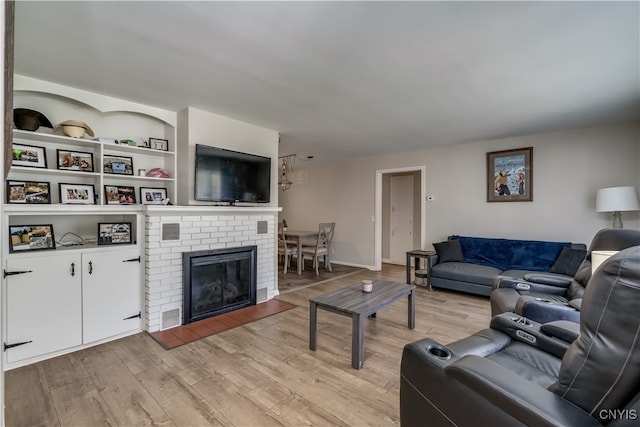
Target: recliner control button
x=526, y=336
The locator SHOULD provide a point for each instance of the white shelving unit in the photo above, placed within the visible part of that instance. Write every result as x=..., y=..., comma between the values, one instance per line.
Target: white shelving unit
x=142, y=158
x=78, y=295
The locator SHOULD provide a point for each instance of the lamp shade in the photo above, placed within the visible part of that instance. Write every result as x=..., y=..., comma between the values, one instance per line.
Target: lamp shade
x=617, y=199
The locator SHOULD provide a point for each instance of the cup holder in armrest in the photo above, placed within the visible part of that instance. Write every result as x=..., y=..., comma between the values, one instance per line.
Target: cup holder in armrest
x=521, y=320
x=440, y=352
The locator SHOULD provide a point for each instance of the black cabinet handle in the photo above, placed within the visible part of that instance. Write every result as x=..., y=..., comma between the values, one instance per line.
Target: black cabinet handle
x=73, y=269
x=13, y=273
x=132, y=260
x=134, y=316
x=18, y=344
x=90, y=267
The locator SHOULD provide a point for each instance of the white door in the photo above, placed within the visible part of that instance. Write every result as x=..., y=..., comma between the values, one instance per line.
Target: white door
x=43, y=304
x=400, y=218
x=111, y=293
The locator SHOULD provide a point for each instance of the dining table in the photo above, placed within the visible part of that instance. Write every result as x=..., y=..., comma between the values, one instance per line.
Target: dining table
x=299, y=236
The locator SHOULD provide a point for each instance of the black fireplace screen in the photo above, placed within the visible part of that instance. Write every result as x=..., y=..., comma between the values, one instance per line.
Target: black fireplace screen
x=218, y=281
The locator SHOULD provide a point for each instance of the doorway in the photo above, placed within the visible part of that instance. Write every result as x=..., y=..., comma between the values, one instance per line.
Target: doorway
x=399, y=213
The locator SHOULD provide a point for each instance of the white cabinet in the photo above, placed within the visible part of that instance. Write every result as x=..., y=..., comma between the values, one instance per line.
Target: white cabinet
x=44, y=304
x=111, y=293
x=57, y=301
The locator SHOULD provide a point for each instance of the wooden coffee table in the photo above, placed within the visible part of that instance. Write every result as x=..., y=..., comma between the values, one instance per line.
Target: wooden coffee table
x=358, y=305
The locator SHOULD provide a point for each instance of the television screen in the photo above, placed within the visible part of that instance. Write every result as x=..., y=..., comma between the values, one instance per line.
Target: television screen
x=230, y=176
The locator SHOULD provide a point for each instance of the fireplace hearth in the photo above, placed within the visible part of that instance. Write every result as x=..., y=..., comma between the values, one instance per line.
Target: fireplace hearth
x=218, y=281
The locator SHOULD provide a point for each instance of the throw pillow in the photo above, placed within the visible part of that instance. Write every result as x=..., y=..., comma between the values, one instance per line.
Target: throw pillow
x=568, y=261
x=449, y=251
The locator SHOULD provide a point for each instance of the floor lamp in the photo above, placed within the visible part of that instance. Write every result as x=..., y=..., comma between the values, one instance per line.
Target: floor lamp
x=617, y=200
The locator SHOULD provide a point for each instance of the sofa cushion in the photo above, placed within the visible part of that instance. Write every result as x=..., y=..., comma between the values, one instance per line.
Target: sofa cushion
x=568, y=261
x=449, y=251
x=466, y=272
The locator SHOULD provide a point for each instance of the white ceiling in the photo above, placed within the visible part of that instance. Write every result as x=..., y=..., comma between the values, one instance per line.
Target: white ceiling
x=350, y=78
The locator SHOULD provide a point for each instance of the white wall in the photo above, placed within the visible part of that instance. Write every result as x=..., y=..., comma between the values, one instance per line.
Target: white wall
x=201, y=127
x=568, y=168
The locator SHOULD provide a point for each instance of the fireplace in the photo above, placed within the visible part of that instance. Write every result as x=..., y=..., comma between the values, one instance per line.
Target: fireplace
x=218, y=281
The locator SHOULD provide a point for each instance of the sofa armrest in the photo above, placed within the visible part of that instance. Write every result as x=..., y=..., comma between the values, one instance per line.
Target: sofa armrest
x=548, y=279
x=545, y=310
x=515, y=395
x=524, y=285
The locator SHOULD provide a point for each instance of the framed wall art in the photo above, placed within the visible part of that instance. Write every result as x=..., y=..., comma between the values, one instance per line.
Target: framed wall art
x=510, y=175
x=74, y=161
x=159, y=144
x=29, y=156
x=118, y=165
x=152, y=196
x=110, y=233
x=119, y=195
x=24, y=238
x=77, y=194
x=28, y=192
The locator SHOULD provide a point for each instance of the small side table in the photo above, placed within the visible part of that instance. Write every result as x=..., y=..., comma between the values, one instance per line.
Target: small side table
x=417, y=255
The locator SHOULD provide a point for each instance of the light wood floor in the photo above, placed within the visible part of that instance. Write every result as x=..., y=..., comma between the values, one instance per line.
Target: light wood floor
x=260, y=374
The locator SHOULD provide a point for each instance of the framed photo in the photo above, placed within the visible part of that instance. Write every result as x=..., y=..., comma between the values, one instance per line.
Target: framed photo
x=24, y=238
x=510, y=175
x=152, y=196
x=77, y=194
x=29, y=192
x=119, y=195
x=29, y=156
x=159, y=144
x=110, y=233
x=118, y=165
x=74, y=161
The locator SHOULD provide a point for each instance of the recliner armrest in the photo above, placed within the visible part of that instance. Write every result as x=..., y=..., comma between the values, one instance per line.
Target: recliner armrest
x=526, y=286
x=547, y=279
x=515, y=395
x=545, y=310
x=563, y=329
x=529, y=332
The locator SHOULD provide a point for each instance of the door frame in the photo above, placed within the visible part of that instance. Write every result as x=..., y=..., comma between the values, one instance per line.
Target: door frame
x=377, y=238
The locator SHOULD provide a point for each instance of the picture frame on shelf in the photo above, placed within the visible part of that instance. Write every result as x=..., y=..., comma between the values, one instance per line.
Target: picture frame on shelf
x=74, y=160
x=119, y=195
x=28, y=192
x=110, y=233
x=26, y=238
x=159, y=144
x=117, y=165
x=30, y=156
x=152, y=196
x=77, y=194
x=510, y=175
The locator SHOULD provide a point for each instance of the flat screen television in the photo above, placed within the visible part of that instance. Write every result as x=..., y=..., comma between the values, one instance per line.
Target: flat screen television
x=230, y=176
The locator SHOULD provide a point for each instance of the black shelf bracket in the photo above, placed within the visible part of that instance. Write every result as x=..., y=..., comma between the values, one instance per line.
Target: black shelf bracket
x=18, y=344
x=132, y=260
x=134, y=316
x=13, y=273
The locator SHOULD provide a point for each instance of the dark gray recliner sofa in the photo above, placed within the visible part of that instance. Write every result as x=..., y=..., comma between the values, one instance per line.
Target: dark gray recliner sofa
x=545, y=299
x=471, y=264
x=521, y=373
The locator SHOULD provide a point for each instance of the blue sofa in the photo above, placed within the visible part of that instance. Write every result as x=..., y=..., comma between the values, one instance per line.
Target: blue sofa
x=470, y=264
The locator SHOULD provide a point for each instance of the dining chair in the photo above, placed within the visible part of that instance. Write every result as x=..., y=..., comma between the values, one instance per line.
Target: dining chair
x=285, y=249
x=322, y=247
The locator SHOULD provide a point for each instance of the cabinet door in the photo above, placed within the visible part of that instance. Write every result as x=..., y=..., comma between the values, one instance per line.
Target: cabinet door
x=111, y=293
x=43, y=305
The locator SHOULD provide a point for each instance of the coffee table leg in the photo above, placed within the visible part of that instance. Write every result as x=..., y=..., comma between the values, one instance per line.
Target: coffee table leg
x=313, y=311
x=357, y=341
x=412, y=309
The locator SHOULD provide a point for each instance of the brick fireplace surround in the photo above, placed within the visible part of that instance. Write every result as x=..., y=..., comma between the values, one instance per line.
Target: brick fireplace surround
x=172, y=230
